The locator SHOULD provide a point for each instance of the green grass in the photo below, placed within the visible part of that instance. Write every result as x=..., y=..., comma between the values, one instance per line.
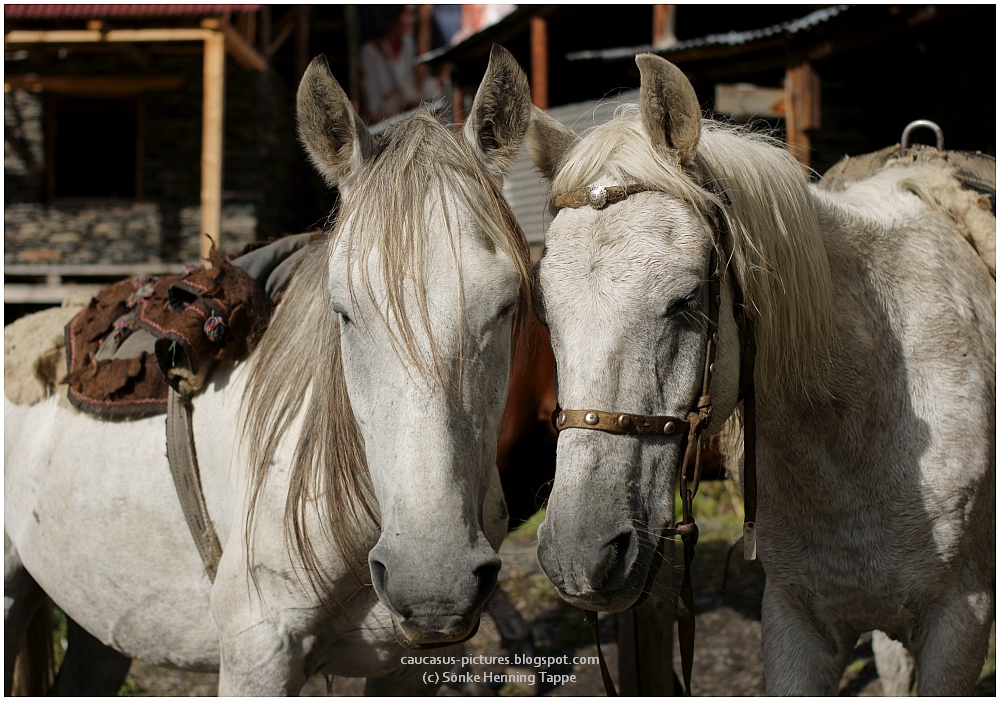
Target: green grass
x=130, y=687
x=530, y=527
x=717, y=507
x=989, y=667
x=58, y=635
x=511, y=689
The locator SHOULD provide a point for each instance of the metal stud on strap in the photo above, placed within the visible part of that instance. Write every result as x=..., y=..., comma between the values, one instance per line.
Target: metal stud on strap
x=618, y=422
x=597, y=196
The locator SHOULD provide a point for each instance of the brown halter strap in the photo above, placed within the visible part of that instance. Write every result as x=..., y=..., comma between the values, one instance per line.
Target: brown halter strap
x=599, y=197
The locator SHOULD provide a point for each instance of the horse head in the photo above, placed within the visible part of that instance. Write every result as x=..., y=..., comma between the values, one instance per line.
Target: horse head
x=426, y=272
x=623, y=287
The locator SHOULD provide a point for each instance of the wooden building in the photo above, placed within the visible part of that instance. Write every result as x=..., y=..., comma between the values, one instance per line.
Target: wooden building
x=831, y=80
x=131, y=130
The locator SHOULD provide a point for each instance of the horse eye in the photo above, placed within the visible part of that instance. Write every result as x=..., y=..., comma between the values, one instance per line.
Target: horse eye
x=682, y=305
x=506, y=310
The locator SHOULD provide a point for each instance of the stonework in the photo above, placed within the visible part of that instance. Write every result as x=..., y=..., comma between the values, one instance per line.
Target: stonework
x=112, y=233
x=269, y=189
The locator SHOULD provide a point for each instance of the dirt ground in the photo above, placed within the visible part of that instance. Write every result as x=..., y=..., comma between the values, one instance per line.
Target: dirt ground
x=727, y=649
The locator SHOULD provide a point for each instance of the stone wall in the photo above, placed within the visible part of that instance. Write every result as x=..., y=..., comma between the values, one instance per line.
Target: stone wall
x=23, y=146
x=113, y=233
x=268, y=188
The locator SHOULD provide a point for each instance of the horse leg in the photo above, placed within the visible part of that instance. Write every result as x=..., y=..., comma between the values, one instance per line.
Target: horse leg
x=515, y=633
x=90, y=667
x=414, y=680
x=258, y=661
x=259, y=655
x=802, y=655
x=896, y=666
x=28, y=668
x=406, y=681
x=646, y=637
x=958, y=631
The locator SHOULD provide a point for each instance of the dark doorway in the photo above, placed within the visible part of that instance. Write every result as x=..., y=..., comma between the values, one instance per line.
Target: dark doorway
x=95, y=149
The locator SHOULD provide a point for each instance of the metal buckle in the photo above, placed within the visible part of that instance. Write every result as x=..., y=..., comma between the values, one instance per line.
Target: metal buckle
x=597, y=196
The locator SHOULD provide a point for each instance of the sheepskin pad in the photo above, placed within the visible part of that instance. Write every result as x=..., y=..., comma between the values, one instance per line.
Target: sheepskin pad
x=34, y=359
x=961, y=184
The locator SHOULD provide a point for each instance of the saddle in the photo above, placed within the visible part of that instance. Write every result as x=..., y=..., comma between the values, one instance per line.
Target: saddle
x=143, y=346
x=140, y=337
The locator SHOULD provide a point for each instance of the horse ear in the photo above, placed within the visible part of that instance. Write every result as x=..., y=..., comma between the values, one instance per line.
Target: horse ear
x=334, y=136
x=548, y=142
x=669, y=106
x=500, y=113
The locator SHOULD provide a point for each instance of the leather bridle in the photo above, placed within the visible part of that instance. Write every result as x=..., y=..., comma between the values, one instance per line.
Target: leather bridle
x=690, y=426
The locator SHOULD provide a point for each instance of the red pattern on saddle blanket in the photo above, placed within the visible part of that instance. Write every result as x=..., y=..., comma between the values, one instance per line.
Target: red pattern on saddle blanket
x=122, y=347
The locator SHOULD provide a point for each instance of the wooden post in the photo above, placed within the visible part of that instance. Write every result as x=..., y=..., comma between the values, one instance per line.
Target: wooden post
x=457, y=97
x=352, y=30
x=425, y=32
x=264, y=35
x=802, y=109
x=663, y=26
x=539, y=62
x=213, y=103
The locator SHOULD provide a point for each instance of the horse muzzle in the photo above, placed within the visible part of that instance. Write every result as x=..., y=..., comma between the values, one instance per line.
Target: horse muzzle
x=433, y=604
x=595, y=569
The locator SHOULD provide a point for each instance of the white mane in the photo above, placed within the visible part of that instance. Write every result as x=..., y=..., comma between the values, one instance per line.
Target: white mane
x=778, y=254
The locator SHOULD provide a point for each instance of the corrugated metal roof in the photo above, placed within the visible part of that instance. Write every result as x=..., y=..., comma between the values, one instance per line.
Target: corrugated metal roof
x=524, y=187
x=788, y=28
x=122, y=11
x=480, y=42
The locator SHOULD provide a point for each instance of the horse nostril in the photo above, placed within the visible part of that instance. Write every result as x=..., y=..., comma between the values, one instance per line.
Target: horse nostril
x=614, y=565
x=487, y=577
x=620, y=545
x=378, y=576
x=380, y=581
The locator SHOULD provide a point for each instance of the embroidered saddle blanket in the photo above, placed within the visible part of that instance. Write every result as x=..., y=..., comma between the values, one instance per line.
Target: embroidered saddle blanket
x=142, y=335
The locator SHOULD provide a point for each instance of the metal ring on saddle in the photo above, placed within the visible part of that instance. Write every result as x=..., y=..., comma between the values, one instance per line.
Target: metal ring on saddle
x=921, y=124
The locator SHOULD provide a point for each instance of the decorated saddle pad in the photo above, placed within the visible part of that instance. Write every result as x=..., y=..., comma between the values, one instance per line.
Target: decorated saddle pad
x=140, y=336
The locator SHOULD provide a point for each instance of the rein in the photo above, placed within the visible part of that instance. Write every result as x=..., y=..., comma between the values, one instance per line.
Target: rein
x=690, y=427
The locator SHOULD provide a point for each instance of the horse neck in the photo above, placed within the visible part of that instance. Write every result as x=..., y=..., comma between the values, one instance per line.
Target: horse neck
x=837, y=433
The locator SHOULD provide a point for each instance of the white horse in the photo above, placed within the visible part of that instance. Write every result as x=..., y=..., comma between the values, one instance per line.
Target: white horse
x=366, y=440
x=875, y=381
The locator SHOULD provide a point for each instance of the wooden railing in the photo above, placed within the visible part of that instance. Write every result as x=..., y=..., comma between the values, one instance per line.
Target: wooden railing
x=50, y=284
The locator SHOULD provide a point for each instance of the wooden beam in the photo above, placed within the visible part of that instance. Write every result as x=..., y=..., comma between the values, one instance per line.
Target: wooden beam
x=540, y=62
x=83, y=36
x=746, y=100
x=246, y=24
x=213, y=103
x=264, y=36
x=281, y=32
x=243, y=51
x=93, y=84
x=802, y=109
x=663, y=26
